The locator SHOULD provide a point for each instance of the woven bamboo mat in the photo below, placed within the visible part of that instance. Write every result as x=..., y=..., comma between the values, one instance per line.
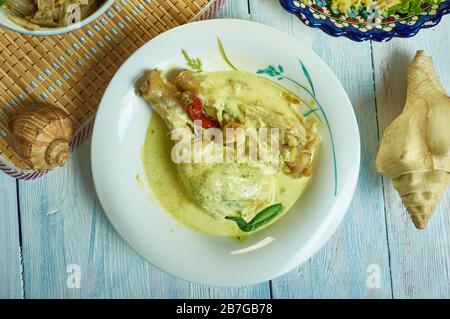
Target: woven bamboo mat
x=73, y=70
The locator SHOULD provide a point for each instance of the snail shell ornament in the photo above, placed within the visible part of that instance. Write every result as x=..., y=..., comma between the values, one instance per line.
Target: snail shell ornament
x=415, y=148
x=42, y=136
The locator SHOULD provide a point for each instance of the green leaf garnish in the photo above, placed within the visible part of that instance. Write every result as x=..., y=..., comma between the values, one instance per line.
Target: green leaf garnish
x=195, y=64
x=224, y=55
x=2, y=2
x=262, y=218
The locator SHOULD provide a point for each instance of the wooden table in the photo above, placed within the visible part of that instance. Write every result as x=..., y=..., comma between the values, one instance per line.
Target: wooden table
x=51, y=223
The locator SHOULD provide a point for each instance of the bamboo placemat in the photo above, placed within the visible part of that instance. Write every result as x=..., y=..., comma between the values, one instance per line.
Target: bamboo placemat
x=73, y=70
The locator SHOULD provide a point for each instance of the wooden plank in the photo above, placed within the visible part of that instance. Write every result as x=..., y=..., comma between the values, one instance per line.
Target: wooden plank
x=420, y=260
x=234, y=9
x=10, y=265
x=339, y=270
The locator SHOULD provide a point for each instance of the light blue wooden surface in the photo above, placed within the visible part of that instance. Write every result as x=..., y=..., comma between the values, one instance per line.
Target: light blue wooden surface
x=10, y=256
x=420, y=261
x=62, y=223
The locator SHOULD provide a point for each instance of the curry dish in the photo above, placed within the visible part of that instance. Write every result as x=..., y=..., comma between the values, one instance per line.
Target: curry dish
x=32, y=14
x=226, y=198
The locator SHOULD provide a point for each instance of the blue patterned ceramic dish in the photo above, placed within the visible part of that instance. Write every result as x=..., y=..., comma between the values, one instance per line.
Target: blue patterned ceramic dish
x=355, y=26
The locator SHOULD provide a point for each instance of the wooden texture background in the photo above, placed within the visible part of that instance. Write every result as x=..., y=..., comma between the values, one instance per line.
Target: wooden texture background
x=55, y=221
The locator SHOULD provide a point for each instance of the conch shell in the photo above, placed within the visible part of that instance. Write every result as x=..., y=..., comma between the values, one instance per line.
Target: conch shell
x=42, y=136
x=415, y=148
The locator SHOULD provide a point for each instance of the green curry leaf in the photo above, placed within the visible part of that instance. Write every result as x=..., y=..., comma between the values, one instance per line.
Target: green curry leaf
x=262, y=218
x=195, y=64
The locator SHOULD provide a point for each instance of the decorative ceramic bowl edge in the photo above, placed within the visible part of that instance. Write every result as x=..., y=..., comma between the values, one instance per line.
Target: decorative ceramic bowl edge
x=306, y=16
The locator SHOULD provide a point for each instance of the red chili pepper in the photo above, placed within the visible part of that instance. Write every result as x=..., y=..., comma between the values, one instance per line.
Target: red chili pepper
x=194, y=108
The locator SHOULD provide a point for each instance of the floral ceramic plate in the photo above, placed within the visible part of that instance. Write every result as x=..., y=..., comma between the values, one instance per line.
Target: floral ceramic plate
x=120, y=130
x=368, y=24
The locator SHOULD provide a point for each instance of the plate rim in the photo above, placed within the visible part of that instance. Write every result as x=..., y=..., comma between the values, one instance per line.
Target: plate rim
x=327, y=227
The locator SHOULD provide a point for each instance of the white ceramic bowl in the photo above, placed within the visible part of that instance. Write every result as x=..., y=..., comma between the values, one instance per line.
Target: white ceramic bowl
x=118, y=138
x=6, y=23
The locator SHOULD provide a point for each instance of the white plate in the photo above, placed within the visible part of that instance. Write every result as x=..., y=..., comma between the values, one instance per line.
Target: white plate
x=118, y=138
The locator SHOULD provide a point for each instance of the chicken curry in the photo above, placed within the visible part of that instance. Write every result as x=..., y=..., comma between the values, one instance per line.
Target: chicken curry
x=225, y=198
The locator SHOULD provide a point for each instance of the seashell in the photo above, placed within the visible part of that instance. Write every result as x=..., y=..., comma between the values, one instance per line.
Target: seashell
x=415, y=148
x=42, y=136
